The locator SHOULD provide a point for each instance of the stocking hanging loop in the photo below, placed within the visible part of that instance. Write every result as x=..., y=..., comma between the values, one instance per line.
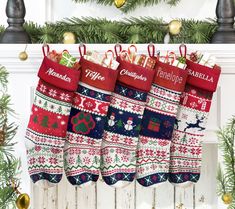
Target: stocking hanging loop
x=45, y=49
x=183, y=50
x=151, y=50
x=82, y=49
x=117, y=49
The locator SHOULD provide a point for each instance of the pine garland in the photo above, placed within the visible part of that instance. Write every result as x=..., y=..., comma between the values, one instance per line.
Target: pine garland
x=132, y=30
x=131, y=5
x=9, y=165
x=226, y=175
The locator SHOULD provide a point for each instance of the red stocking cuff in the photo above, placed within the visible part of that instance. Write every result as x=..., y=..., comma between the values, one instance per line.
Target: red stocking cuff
x=135, y=75
x=202, y=76
x=59, y=75
x=98, y=76
x=170, y=77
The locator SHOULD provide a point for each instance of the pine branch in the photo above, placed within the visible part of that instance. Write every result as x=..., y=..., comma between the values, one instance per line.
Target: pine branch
x=131, y=5
x=9, y=165
x=221, y=182
x=131, y=30
x=226, y=178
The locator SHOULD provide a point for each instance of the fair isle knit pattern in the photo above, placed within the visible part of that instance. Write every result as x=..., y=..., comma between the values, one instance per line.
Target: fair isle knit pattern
x=46, y=132
x=153, y=152
x=118, y=160
x=190, y=125
x=186, y=148
x=84, y=134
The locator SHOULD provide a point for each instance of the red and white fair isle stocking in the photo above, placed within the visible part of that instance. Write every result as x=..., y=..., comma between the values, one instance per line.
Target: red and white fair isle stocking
x=46, y=131
x=153, y=154
x=86, y=123
x=118, y=160
x=190, y=126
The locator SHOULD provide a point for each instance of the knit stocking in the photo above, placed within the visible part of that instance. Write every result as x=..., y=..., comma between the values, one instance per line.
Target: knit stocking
x=186, y=147
x=47, y=126
x=118, y=164
x=86, y=123
x=153, y=153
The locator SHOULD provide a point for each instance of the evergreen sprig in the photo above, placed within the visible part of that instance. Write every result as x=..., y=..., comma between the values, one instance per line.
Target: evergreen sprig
x=9, y=165
x=131, y=30
x=226, y=175
x=131, y=5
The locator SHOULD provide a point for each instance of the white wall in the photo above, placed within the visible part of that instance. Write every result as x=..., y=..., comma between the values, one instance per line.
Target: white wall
x=52, y=10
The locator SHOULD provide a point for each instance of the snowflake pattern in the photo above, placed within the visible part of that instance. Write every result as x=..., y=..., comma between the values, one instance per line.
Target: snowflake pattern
x=43, y=88
x=86, y=160
x=53, y=160
x=138, y=95
x=128, y=140
x=41, y=160
x=98, y=119
x=52, y=93
x=64, y=97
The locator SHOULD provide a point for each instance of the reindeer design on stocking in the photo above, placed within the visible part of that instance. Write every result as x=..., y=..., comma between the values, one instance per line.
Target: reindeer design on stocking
x=197, y=124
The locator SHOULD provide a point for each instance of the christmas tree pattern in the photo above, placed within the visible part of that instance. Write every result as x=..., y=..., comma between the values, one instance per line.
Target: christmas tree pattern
x=96, y=160
x=35, y=119
x=116, y=159
x=138, y=127
x=78, y=160
x=44, y=122
x=45, y=105
x=59, y=109
x=55, y=125
x=119, y=124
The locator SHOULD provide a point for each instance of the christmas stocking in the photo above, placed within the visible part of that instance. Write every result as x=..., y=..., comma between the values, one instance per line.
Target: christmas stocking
x=118, y=160
x=86, y=123
x=186, y=147
x=47, y=126
x=153, y=154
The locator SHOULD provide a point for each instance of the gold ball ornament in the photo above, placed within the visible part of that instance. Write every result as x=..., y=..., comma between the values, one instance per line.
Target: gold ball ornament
x=119, y=3
x=175, y=27
x=69, y=38
x=23, y=56
x=227, y=198
x=23, y=201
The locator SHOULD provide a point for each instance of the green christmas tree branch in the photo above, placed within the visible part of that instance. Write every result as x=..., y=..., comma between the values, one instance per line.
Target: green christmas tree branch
x=131, y=30
x=131, y=5
x=9, y=165
x=226, y=175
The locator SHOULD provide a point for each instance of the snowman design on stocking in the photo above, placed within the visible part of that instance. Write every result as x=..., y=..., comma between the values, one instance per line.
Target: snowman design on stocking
x=111, y=121
x=129, y=124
